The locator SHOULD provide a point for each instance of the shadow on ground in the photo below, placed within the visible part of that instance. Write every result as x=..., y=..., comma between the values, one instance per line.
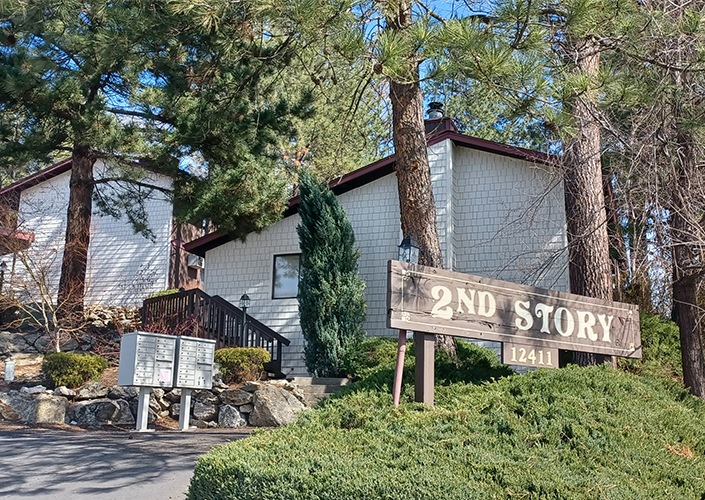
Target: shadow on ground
x=63, y=465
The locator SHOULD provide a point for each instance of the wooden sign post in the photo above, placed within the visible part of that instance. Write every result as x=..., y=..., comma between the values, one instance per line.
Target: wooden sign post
x=534, y=322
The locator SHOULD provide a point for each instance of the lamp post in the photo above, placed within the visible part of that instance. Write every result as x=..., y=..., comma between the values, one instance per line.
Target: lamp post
x=244, y=304
x=408, y=252
x=3, y=268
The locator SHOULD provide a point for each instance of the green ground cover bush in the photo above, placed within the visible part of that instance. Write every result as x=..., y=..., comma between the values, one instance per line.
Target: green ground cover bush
x=240, y=364
x=574, y=433
x=72, y=369
x=661, y=345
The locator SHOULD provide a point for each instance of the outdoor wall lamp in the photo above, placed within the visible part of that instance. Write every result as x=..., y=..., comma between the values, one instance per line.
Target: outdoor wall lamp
x=409, y=250
x=244, y=304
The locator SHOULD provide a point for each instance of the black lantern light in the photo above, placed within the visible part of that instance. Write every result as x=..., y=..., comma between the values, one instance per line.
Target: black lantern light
x=409, y=250
x=244, y=304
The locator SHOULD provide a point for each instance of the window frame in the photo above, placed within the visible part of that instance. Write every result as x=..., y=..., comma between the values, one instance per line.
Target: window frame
x=274, y=274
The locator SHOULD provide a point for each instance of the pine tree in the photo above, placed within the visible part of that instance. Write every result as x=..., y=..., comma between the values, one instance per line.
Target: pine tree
x=134, y=80
x=331, y=300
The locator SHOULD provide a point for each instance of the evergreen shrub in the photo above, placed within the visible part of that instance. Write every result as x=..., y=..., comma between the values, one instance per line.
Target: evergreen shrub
x=240, y=364
x=331, y=301
x=574, y=433
x=661, y=348
x=72, y=369
x=369, y=354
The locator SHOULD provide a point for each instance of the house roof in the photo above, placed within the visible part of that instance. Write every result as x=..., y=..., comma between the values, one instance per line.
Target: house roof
x=38, y=177
x=437, y=131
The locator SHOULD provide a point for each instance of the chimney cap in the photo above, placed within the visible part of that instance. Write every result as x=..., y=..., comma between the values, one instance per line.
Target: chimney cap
x=435, y=110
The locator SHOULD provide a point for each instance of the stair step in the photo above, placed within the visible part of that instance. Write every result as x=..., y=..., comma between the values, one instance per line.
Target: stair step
x=331, y=381
x=318, y=389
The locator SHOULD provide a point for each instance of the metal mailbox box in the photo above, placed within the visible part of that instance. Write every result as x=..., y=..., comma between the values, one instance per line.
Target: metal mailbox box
x=194, y=365
x=147, y=360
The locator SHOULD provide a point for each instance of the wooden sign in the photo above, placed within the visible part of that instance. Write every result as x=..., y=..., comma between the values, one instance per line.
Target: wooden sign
x=436, y=301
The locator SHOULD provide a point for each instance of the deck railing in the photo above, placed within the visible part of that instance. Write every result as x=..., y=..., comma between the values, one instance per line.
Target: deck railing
x=197, y=314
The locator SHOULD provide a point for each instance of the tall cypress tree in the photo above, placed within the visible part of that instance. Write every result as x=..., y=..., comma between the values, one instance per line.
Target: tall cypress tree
x=331, y=302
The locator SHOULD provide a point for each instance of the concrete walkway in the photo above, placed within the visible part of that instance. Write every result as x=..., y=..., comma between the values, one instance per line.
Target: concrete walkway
x=63, y=465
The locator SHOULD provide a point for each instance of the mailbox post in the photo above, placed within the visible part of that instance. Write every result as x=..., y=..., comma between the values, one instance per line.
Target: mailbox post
x=194, y=370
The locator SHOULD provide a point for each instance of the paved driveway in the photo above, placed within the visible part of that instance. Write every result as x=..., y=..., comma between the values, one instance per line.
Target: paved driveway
x=63, y=465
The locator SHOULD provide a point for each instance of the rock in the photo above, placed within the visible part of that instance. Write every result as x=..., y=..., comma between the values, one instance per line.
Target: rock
x=120, y=392
x=42, y=345
x=174, y=411
x=31, y=338
x=283, y=383
x=69, y=345
x=235, y=397
x=219, y=384
x=246, y=408
x=211, y=424
x=33, y=408
x=11, y=343
x=37, y=389
x=87, y=339
x=274, y=406
x=174, y=395
x=229, y=416
x=62, y=390
x=291, y=386
x=251, y=386
x=300, y=396
x=204, y=411
x=204, y=396
x=97, y=412
x=151, y=415
x=124, y=415
x=92, y=390
x=158, y=396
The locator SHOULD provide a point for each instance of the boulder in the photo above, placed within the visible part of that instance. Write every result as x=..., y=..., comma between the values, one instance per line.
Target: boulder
x=31, y=338
x=124, y=415
x=274, y=406
x=64, y=391
x=204, y=396
x=229, y=416
x=157, y=396
x=204, y=411
x=235, y=397
x=11, y=343
x=246, y=408
x=174, y=395
x=120, y=392
x=42, y=345
x=33, y=408
x=151, y=414
x=251, y=386
x=104, y=411
x=92, y=390
x=69, y=346
x=174, y=411
x=37, y=389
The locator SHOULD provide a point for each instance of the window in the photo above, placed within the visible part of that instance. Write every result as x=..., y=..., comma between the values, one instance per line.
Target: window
x=285, y=284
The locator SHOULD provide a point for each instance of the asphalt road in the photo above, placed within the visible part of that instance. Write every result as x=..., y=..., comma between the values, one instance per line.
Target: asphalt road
x=63, y=465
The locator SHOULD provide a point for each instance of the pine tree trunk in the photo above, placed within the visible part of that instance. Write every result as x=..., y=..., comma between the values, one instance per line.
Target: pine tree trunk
x=586, y=217
x=416, y=202
x=78, y=224
x=687, y=268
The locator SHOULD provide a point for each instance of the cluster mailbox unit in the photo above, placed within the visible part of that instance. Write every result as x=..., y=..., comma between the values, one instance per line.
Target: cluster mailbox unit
x=156, y=360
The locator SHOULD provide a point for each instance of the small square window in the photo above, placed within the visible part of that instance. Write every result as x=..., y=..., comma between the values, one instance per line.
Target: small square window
x=285, y=284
